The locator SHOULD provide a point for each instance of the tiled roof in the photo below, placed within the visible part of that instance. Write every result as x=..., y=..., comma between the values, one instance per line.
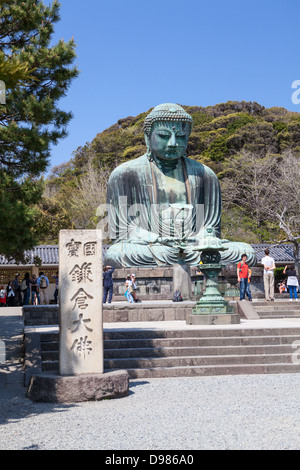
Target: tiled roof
x=280, y=253
x=49, y=254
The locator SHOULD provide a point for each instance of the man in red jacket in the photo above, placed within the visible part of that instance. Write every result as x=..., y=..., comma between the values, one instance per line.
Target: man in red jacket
x=242, y=275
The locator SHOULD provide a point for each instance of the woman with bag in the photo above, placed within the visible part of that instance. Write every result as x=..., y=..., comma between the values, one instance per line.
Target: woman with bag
x=292, y=282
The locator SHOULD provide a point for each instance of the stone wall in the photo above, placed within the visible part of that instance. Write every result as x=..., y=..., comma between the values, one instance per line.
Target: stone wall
x=157, y=283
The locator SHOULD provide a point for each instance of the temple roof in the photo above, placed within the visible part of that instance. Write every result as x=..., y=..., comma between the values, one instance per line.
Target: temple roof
x=49, y=254
x=280, y=253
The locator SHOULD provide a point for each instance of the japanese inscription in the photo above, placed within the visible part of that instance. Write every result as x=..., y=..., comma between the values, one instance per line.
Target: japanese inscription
x=80, y=299
x=81, y=274
x=89, y=248
x=73, y=248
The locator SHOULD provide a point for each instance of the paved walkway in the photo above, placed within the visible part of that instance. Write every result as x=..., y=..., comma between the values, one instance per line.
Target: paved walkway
x=12, y=373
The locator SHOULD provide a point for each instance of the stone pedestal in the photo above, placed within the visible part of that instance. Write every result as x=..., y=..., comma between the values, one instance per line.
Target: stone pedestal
x=46, y=388
x=182, y=280
x=213, y=319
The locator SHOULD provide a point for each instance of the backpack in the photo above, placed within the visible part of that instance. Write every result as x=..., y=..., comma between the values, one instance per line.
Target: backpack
x=43, y=283
x=24, y=284
x=177, y=297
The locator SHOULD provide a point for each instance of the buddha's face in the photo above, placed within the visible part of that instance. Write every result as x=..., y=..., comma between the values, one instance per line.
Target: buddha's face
x=168, y=140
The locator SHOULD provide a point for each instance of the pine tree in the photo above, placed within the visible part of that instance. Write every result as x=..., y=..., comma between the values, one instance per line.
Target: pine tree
x=30, y=121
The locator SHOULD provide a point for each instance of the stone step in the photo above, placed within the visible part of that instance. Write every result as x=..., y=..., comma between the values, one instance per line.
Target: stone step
x=199, y=333
x=167, y=353
x=195, y=342
x=197, y=351
x=291, y=314
x=50, y=366
x=188, y=361
x=193, y=371
x=292, y=306
x=188, y=366
x=269, y=316
x=48, y=355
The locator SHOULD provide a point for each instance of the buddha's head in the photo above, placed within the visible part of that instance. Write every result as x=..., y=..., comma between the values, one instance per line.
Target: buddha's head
x=167, y=130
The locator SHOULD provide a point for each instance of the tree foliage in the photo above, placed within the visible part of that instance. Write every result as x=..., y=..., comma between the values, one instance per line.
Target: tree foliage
x=38, y=75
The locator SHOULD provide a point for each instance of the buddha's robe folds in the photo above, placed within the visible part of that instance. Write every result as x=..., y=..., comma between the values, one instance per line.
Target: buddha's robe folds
x=144, y=204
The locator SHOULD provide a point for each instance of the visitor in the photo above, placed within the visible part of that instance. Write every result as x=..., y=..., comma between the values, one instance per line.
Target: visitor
x=43, y=283
x=10, y=295
x=269, y=266
x=108, y=283
x=243, y=275
x=292, y=282
x=128, y=292
x=25, y=289
x=17, y=290
x=2, y=297
x=56, y=288
x=134, y=289
x=248, y=292
x=35, y=296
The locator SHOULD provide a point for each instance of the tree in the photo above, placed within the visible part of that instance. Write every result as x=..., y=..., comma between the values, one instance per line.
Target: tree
x=284, y=204
x=245, y=184
x=13, y=71
x=88, y=195
x=30, y=121
x=266, y=191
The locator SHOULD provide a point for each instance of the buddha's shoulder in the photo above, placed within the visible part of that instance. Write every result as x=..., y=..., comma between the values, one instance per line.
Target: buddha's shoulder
x=131, y=166
x=199, y=168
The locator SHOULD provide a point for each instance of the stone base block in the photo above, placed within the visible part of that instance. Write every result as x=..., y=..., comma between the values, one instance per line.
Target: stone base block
x=48, y=388
x=222, y=319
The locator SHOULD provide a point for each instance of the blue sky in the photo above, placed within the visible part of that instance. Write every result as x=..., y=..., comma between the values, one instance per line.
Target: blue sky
x=136, y=54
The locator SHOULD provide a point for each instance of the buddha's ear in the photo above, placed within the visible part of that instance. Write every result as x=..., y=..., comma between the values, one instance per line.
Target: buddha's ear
x=147, y=140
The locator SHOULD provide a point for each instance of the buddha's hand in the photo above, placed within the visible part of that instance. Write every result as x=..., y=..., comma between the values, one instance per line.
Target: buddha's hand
x=169, y=241
x=138, y=241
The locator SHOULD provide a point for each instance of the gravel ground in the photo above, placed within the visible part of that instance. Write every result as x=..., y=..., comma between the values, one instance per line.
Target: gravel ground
x=213, y=413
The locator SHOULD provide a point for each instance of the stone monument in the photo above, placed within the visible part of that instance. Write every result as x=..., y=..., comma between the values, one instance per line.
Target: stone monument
x=80, y=289
x=81, y=374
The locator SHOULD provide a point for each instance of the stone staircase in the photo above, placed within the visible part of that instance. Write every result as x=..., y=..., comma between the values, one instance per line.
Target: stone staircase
x=277, y=309
x=191, y=352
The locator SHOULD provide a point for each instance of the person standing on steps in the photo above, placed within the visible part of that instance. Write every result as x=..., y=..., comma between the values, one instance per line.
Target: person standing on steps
x=269, y=266
x=43, y=283
x=108, y=283
x=292, y=282
x=35, y=295
x=243, y=275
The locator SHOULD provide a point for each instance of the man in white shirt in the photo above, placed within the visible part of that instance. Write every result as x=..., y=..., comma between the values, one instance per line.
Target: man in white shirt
x=269, y=266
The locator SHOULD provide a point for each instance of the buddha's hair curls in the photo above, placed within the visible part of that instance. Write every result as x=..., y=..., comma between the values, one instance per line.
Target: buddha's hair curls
x=166, y=112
